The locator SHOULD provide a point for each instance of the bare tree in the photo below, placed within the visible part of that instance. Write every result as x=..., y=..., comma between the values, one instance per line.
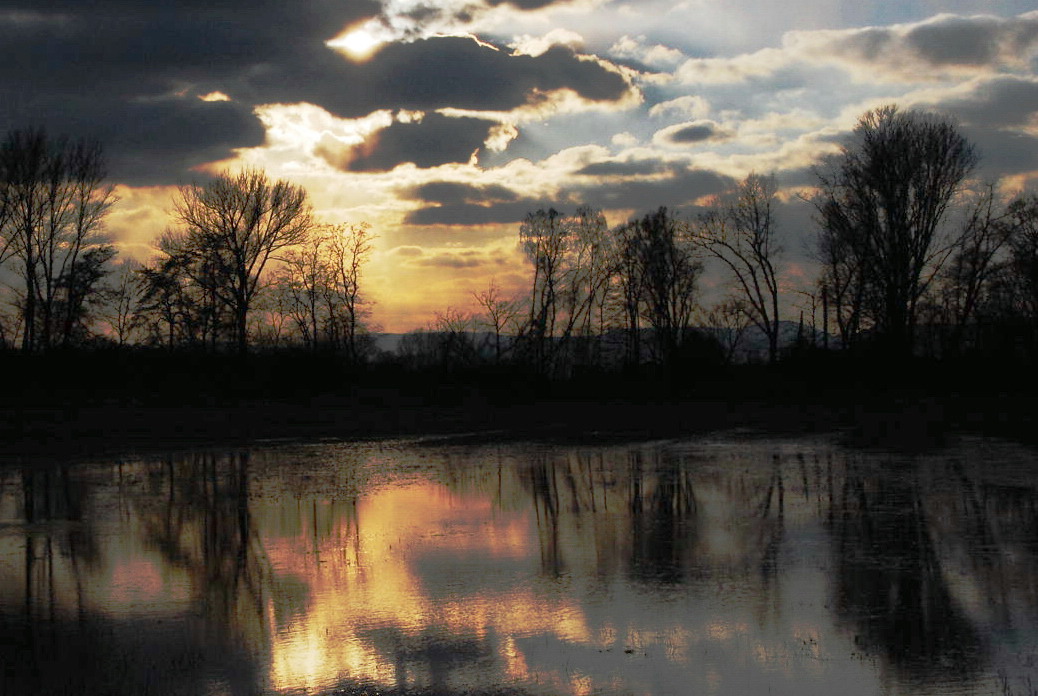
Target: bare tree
x=628, y=288
x=587, y=272
x=318, y=286
x=572, y=262
x=884, y=200
x=232, y=227
x=177, y=303
x=349, y=249
x=499, y=313
x=977, y=254
x=301, y=285
x=456, y=347
x=731, y=319
x=739, y=230
x=543, y=237
x=669, y=269
x=53, y=201
x=123, y=301
x=82, y=293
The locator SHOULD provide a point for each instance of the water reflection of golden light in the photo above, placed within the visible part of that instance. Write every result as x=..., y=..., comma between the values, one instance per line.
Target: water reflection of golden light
x=361, y=581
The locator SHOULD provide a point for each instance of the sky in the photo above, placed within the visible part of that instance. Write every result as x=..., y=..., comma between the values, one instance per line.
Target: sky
x=442, y=124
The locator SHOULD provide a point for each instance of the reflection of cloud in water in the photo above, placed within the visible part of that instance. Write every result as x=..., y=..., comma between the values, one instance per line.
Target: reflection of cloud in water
x=725, y=568
x=369, y=615
x=429, y=586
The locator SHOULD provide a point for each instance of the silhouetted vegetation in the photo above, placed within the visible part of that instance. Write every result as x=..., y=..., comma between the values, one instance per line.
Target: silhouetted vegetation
x=924, y=276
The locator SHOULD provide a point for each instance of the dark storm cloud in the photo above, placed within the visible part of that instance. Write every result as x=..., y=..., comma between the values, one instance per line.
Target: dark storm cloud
x=469, y=214
x=1003, y=152
x=86, y=68
x=680, y=189
x=992, y=116
x=1000, y=102
x=677, y=190
x=973, y=40
x=128, y=73
x=433, y=141
x=692, y=133
x=957, y=41
x=454, y=193
x=427, y=75
x=696, y=133
x=158, y=143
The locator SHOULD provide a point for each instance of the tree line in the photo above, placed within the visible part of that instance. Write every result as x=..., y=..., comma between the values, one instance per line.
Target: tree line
x=245, y=258
x=914, y=257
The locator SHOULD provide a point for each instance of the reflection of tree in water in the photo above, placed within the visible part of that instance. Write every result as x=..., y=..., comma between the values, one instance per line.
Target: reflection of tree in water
x=193, y=513
x=641, y=507
x=59, y=546
x=541, y=477
x=890, y=585
x=428, y=660
x=198, y=519
x=662, y=505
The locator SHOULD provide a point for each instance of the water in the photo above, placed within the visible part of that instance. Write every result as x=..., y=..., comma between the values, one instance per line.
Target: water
x=732, y=566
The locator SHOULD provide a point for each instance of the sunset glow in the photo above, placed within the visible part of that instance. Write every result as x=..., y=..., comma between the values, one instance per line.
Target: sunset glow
x=359, y=44
x=525, y=106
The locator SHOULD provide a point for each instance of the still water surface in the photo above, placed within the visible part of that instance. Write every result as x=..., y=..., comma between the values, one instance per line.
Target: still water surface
x=728, y=566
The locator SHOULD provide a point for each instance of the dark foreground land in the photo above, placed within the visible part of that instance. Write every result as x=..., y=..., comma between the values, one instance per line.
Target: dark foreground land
x=100, y=403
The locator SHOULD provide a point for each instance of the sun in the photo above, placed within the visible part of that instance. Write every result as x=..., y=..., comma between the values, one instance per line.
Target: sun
x=359, y=44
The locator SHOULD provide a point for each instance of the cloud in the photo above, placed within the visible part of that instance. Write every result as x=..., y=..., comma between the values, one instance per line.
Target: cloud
x=1002, y=101
x=135, y=76
x=676, y=187
x=428, y=142
x=472, y=214
x=163, y=141
x=129, y=73
x=406, y=251
x=456, y=192
x=472, y=257
x=937, y=47
x=412, y=20
x=736, y=69
x=692, y=133
x=689, y=106
x=453, y=259
x=999, y=115
x=431, y=74
x=621, y=168
x=941, y=47
x=538, y=45
x=651, y=55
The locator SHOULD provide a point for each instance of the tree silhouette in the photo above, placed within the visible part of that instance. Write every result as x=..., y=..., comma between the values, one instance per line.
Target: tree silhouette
x=232, y=227
x=881, y=209
x=499, y=314
x=53, y=201
x=318, y=285
x=669, y=269
x=740, y=231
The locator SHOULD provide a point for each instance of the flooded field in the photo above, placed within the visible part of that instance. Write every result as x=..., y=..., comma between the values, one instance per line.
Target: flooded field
x=724, y=566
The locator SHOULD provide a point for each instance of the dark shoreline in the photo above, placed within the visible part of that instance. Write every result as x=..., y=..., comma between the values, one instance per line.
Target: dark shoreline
x=110, y=403
x=905, y=422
